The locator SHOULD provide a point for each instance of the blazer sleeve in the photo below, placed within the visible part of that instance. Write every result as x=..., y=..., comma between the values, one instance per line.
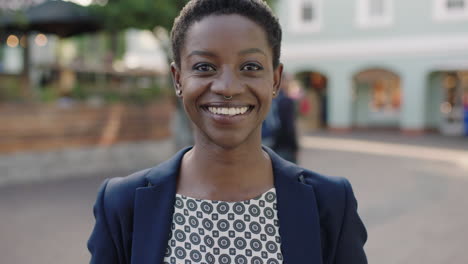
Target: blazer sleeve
x=353, y=234
x=101, y=244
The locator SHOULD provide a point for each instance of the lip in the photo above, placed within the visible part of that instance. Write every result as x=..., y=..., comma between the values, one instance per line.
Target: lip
x=227, y=104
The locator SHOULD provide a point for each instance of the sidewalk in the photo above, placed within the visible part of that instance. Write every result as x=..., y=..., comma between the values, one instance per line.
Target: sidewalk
x=432, y=149
x=426, y=140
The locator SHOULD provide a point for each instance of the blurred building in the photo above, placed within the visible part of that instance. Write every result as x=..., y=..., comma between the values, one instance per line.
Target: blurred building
x=380, y=63
x=142, y=56
x=84, y=94
x=143, y=50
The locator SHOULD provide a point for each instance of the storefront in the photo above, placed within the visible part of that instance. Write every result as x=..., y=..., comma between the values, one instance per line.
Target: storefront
x=454, y=105
x=376, y=99
x=312, y=106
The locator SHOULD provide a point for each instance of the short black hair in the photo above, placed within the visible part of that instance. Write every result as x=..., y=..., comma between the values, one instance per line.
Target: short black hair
x=256, y=10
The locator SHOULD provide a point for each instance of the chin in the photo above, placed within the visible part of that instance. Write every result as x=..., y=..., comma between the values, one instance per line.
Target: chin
x=230, y=141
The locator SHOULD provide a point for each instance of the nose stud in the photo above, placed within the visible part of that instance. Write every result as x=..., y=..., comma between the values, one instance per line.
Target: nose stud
x=228, y=97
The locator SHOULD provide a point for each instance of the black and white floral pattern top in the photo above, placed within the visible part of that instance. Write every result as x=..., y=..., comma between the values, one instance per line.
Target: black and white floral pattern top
x=206, y=231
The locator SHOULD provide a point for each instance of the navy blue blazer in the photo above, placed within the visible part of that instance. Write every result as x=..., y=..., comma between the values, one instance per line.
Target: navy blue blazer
x=317, y=216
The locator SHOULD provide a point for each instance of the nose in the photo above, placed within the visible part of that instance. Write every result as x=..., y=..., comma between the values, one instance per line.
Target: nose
x=227, y=83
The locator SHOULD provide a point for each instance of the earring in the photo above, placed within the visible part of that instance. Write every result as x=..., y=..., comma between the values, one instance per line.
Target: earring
x=274, y=93
x=179, y=92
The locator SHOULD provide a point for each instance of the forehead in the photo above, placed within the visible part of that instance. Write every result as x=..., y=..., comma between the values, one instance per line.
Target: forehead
x=225, y=32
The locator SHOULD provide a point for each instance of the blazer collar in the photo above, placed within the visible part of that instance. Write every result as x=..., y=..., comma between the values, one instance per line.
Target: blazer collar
x=297, y=212
x=153, y=210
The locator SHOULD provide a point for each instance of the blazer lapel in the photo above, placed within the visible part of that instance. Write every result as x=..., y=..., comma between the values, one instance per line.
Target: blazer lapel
x=154, y=207
x=297, y=213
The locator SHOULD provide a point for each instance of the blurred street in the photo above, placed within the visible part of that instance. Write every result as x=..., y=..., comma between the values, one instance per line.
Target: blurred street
x=414, y=206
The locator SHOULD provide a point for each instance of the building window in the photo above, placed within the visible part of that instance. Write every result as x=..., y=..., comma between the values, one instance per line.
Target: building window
x=455, y=4
x=386, y=96
x=307, y=12
x=376, y=8
x=374, y=13
x=450, y=10
x=306, y=15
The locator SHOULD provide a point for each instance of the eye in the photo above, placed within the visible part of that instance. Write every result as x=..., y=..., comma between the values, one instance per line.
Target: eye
x=204, y=67
x=251, y=67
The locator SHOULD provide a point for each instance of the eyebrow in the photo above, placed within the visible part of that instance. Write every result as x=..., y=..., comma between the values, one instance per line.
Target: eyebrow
x=202, y=53
x=251, y=50
x=211, y=54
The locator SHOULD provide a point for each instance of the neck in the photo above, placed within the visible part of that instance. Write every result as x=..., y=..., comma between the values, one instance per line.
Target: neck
x=218, y=173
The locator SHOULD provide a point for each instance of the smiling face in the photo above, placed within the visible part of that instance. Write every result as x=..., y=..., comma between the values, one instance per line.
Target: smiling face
x=224, y=56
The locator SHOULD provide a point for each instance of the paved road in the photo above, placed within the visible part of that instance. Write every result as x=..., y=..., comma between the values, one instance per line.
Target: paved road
x=415, y=208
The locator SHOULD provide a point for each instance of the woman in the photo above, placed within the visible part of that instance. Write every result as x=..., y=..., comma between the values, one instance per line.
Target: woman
x=226, y=199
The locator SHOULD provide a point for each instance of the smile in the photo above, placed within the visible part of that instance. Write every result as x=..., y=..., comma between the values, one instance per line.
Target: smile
x=229, y=111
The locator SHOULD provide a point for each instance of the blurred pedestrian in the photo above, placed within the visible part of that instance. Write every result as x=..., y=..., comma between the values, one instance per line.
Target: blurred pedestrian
x=227, y=199
x=271, y=125
x=285, y=139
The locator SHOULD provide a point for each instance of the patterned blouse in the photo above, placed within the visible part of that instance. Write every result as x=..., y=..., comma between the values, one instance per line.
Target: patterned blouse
x=206, y=232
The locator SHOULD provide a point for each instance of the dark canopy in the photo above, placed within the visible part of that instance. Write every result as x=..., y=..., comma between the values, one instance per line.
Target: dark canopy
x=53, y=17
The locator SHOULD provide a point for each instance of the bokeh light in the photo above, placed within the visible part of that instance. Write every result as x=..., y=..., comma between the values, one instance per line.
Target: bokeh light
x=12, y=41
x=81, y=2
x=41, y=40
x=446, y=108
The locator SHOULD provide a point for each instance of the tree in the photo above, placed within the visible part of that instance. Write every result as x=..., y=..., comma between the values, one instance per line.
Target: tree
x=143, y=14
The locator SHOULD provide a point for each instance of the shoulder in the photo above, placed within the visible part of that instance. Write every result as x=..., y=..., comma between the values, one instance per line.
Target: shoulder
x=343, y=233
x=326, y=185
x=118, y=193
x=126, y=185
x=333, y=194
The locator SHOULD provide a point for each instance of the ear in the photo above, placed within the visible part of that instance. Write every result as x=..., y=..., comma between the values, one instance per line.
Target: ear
x=277, y=77
x=175, y=72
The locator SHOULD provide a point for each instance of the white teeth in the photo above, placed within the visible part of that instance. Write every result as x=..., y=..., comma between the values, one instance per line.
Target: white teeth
x=231, y=111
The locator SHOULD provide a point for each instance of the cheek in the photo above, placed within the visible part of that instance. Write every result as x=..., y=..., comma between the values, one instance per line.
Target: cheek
x=194, y=87
x=263, y=88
